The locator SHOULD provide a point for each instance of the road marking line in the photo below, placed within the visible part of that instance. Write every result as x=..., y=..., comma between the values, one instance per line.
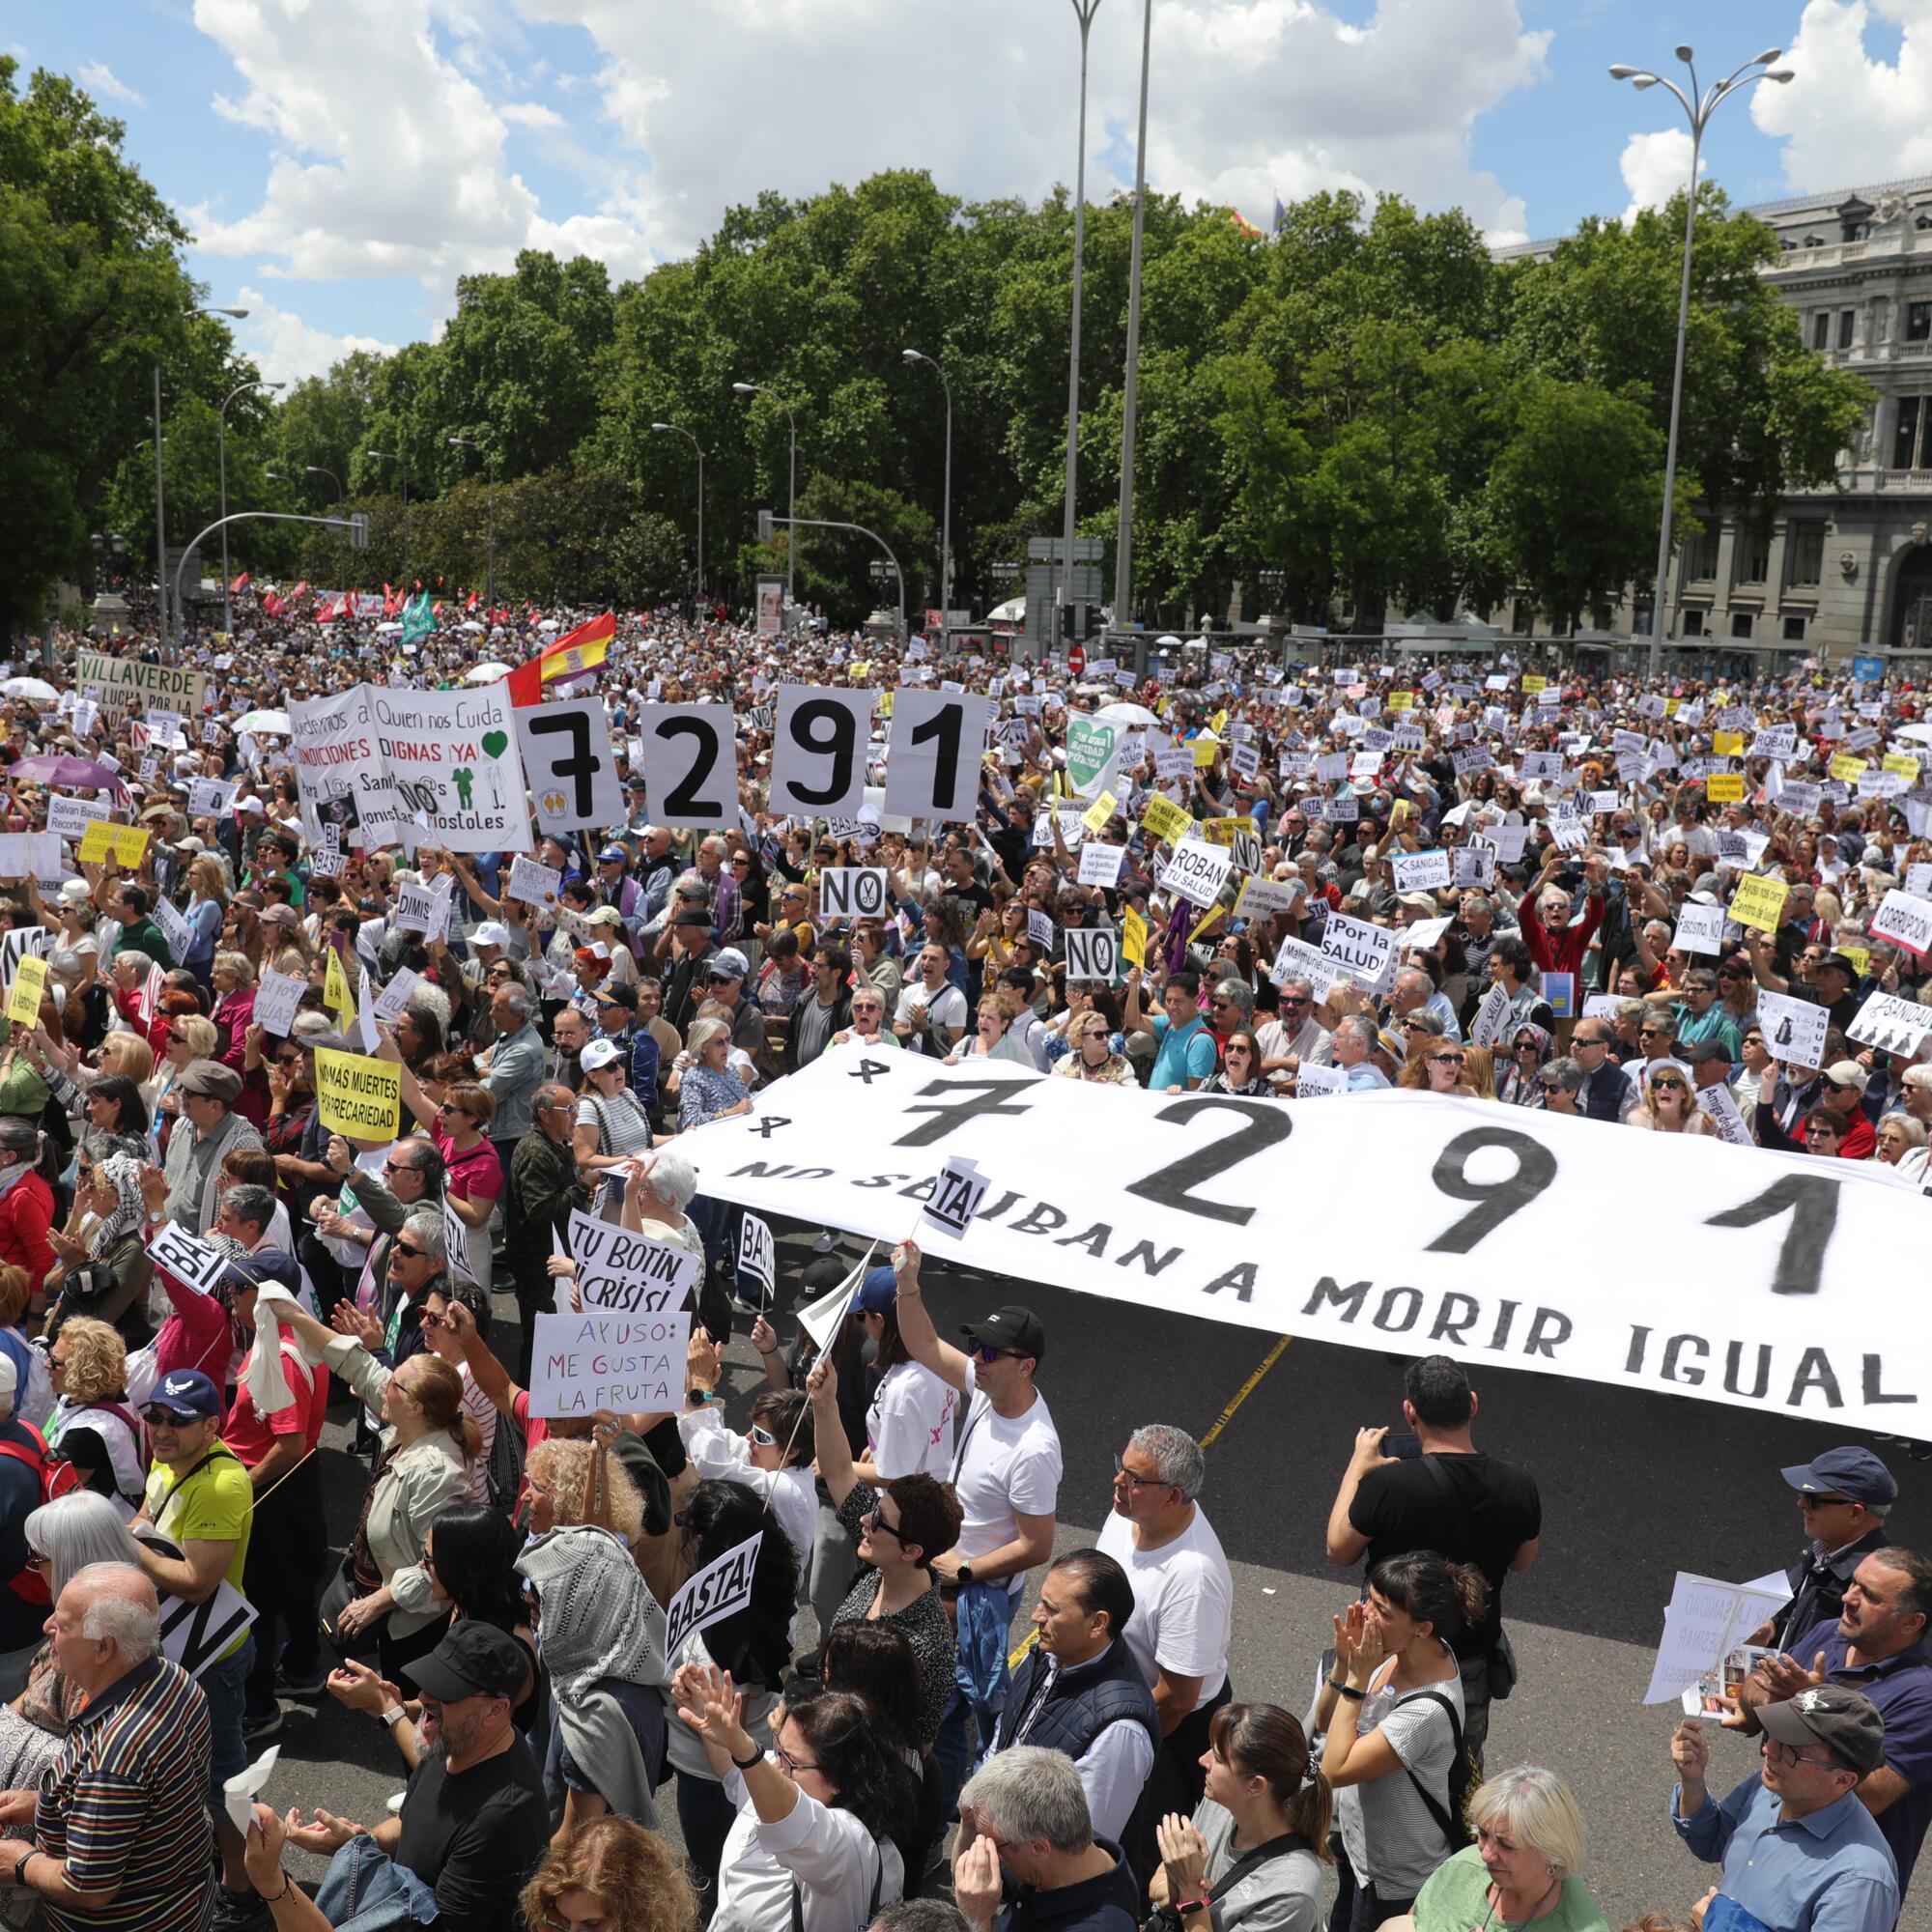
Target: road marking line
x=1221, y=1421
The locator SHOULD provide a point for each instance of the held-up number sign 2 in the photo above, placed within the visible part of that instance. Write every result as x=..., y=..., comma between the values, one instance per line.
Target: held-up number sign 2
x=691, y=764
x=852, y=892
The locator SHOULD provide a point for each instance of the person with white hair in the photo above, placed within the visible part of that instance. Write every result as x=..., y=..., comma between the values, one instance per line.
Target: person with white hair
x=1526, y=1862
x=120, y=1833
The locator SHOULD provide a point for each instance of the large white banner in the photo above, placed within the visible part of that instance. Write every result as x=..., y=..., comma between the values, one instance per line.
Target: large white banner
x=1763, y=1280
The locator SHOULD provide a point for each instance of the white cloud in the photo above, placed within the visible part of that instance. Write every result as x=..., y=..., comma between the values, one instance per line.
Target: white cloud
x=1655, y=167
x=1847, y=119
x=100, y=80
x=530, y=114
x=286, y=349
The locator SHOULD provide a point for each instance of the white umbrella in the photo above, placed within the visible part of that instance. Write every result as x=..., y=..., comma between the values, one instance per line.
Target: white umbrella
x=471, y=624
x=548, y=624
x=1136, y=715
x=1169, y=643
x=487, y=673
x=1921, y=732
x=36, y=688
x=388, y=630
x=275, y=722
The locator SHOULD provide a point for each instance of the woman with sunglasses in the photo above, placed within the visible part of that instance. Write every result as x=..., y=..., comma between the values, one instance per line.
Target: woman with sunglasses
x=1562, y=1084
x=104, y=1267
x=1239, y=1071
x=896, y=1526
x=700, y=1079
x=1093, y=1056
x=1530, y=1048
x=1437, y=1065
x=189, y=1037
x=773, y=1458
x=1670, y=1104
x=473, y=1169
x=869, y=1028
x=814, y=1836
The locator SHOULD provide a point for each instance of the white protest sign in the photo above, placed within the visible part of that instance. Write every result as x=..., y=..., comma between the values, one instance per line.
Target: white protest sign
x=194, y=1635
x=1319, y=1083
x=571, y=766
x=418, y=908
x=938, y=740
x=533, y=883
x=1200, y=1206
x=1100, y=865
x=396, y=995
x=818, y=752
x=1700, y=928
x=1919, y=879
x=955, y=1197
x=1794, y=1030
x=1197, y=871
x=629, y=1274
x=1721, y=1104
x=69, y=817
x=1420, y=872
x=757, y=1257
x=210, y=798
x=718, y=1590
x=175, y=928
x=1261, y=896
x=1492, y=1016
x=820, y=1318
x=605, y=1358
x=1092, y=954
x=1891, y=1025
x=1905, y=920
x=1040, y=929
x=852, y=892
x=1600, y=1005
x=278, y=997
x=1703, y=1621
x=192, y=1262
x=1367, y=950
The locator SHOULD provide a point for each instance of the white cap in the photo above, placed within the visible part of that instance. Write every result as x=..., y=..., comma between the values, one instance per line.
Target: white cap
x=490, y=933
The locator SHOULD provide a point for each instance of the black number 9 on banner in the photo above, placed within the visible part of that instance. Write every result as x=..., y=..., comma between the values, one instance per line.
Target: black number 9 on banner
x=818, y=752
x=939, y=738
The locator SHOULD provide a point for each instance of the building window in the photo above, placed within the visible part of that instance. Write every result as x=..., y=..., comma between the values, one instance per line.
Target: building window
x=1919, y=322
x=1805, y=556
x=1751, y=550
x=1700, y=558
x=1911, y=428
x=1821, y=330
x=1848, y=319
x=1691, y=623
x=1741, y=623
x=1793, y=629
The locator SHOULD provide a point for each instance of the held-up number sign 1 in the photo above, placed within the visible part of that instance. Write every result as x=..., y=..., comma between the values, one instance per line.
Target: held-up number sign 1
x=570, y=765
x=939, y=738
x=818, y=755
x=852, y=892
x=1092, y=954
x=691, y=764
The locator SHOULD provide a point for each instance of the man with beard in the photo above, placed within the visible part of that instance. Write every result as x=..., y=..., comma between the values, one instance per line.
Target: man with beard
x=473, y=1820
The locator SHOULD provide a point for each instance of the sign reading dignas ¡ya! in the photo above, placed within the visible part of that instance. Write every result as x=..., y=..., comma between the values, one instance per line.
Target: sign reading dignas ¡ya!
x=1778, y=1290
x=126, y=684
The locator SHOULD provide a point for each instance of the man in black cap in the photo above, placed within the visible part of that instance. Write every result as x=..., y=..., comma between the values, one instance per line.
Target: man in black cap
x=1843, y=1496
x=1836, y=1870
x=473, y=1820
x=687, y=964
x=1005, y=1474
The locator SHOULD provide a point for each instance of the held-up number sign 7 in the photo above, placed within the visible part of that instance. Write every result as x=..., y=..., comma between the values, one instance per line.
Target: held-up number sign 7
x=1810, y=1199
x=571, y=767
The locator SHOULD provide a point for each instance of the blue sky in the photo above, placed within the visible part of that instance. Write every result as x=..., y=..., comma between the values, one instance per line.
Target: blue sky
x=343, y=161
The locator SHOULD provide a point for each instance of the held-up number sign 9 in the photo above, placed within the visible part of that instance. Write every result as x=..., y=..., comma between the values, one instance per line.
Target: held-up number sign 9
x=818, y=753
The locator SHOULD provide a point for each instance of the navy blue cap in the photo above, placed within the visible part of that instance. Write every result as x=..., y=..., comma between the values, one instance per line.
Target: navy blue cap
x=1853, y=1472
x=611, y=852
x=878, y=1292
x=265, y=1265
x=187, y=1393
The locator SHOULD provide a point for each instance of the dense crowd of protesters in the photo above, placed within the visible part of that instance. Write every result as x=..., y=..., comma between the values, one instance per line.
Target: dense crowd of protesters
x=855, y=1729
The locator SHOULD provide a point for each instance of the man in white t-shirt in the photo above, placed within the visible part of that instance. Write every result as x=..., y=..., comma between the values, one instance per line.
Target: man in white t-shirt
x=931, y=1015
x=1006, y=1470
x=1184, y=1617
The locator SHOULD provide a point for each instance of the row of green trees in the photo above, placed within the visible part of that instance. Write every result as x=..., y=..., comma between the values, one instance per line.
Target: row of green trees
x=1364, y=401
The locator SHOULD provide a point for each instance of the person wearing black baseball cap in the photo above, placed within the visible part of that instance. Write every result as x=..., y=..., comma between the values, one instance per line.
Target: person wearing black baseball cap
x=1843, y=1496
x=1005, y=1474
x=474, y=1818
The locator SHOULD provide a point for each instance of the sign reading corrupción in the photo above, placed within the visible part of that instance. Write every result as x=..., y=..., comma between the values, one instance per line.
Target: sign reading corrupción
x=1769, y=1286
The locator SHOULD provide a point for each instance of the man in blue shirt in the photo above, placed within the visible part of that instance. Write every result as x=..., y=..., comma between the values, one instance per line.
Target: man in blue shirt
x=1799, y=1853
x=1184, y=1051
x=1876, y=1645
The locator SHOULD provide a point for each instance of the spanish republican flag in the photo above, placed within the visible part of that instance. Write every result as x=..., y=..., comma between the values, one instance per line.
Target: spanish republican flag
x=577, y=651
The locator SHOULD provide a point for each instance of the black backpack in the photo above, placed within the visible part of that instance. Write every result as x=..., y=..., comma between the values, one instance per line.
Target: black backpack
x=1452, y=1823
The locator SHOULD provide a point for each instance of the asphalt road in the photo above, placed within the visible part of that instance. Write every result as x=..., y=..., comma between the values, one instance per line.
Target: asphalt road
x=1634, y=1487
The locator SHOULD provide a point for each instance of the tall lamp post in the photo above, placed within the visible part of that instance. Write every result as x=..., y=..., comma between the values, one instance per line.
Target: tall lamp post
x=489, y=463
x=1124, y=544
x=945, y=512
x=678, y=429
x=390, y=456
x=160, y=488
x=791, y=499
x=222, y=448
x=1084, y=12
x=341, y=496
x=1699, y=107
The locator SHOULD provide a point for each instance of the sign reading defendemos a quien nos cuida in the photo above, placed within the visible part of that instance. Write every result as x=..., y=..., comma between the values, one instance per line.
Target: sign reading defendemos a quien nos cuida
x=1779, y=1294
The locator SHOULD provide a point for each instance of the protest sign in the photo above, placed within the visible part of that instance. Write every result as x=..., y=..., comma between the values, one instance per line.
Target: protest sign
x=69, y=817
x=1319, y=1083
x=419, y=909
x=1165, y=819
x=1091, y=754
x=852, y=892
x=533, y=884
x=1759, y=901
x=1095, y=818
x=1100, y=865
x=716, y=1592
x=396, y=995
x=356, y=1095
x=605, y=1358
x=1259, y=896
x=1197, y=871
x=1794, y=1030
x=572, y=767
x=277, y=999
x=1368, y=951
x=757, y=1258
x=175, y=930
x=122, y=685
x=1905, y=920
x=1725, y=787
x=193, y=1636
x=1200, y=1206
x=105, y=844
x=1092, y=955
x=955, y=1197
x=1891, y=1025
x=1040, y=929
x=1702, y=1622
x=1700, y=928
x=191, y=1261
x=1420, y=872
x=28, y=989
x=1133, y=938
x=629, y=1274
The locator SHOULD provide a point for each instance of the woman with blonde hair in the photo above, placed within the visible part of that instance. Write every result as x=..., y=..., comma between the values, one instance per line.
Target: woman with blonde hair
x=1525, y=1864
x=207, y=914
x=1479, y=1071
x=994, y=1038
x=573, y=1481
x=1437, y=1065
x=614, y=1876
x=1669, y=1103
x=92, y=1424
x=189, y=1037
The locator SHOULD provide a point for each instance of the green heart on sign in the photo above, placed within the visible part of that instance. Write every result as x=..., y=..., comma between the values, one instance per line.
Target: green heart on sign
x=495, y=744
x=1090, y=750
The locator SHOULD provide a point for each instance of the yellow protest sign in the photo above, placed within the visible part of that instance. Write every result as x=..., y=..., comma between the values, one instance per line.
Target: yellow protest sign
x=336, y=994
x=1759, y=901
x=1218, y=723
x=1133, y=938
x=1533, y=685
x=1208, y=918
x=357, y=1095
x=1221, y=831
x=103, y=840
x=1860, y=956
x=1725, y=787
x=29, y=986
x=1401, y=700
x=1846, y=766
x=1670, y=705
x=884, y=704
x=1204, y=749
x=1728, y=743
x=860, y=667
x=1902, y=766
x=1166, y=820
x=1095, y=818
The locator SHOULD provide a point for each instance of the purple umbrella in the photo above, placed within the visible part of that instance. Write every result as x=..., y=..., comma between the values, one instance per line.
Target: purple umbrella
x=59, y=769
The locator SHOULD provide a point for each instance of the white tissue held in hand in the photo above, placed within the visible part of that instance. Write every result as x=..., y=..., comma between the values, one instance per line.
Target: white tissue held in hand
x=240, y=1792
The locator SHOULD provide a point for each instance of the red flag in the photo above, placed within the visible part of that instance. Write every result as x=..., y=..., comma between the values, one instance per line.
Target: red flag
x=436, y=609
x=301, y=589
x=473, y=600
x=240, y=584
x=580, y=649
x=349, y=601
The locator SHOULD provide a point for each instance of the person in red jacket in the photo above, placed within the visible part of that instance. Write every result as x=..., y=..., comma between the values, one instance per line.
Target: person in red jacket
x=1544, y=915
x=1842, y=1097
x=26, y=1204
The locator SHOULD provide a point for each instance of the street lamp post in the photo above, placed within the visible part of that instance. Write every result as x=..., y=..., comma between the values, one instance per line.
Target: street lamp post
x=791, y=499
x=341, y=496
x=946, y=511
x=1124, y=544
x=390, y=456
x=222, y=448
x=1084, y=12
x=489, y=463
x=678, y=429
x=160, y=488
x=1699, y=107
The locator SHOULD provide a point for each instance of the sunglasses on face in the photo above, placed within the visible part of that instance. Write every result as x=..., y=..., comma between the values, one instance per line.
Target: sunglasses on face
x=1669, y=1086
x=762, y=1437
x=874, y=1521
x=409, y=1253
x=987, y=1352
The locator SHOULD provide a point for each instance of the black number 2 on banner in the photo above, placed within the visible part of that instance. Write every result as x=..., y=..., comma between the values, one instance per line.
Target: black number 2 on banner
x=684, y=802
